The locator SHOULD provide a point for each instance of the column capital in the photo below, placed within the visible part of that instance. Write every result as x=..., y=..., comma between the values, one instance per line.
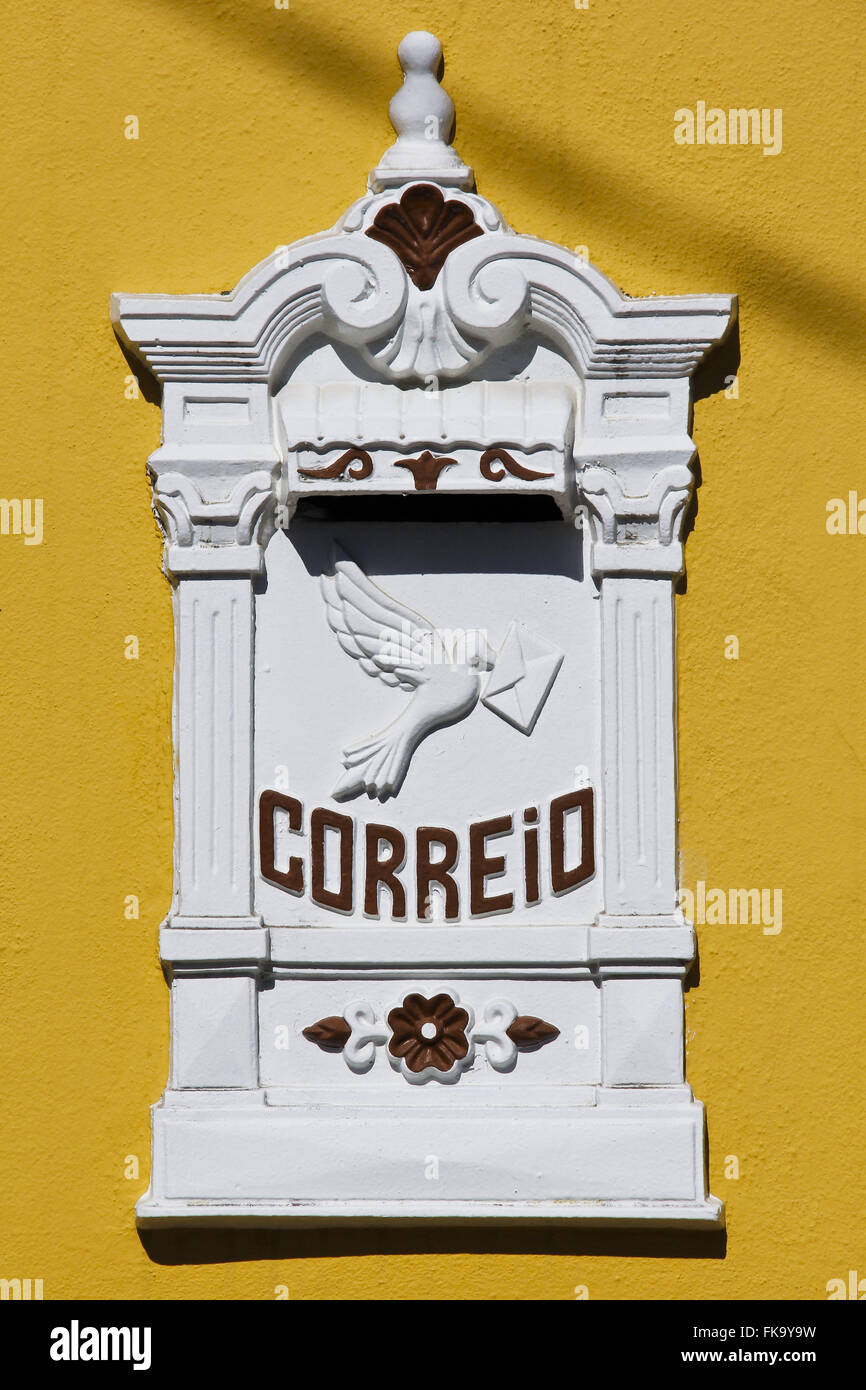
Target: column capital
x=637, y=515
x=218, y=523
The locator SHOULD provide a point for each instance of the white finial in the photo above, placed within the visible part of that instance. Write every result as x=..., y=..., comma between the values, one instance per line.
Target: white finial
x=421, y=110
x=422, y=114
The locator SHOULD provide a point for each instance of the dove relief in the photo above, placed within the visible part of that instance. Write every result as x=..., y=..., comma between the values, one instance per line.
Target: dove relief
x=445, y=672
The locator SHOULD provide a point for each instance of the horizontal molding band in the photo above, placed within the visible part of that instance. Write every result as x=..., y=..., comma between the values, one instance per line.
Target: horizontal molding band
x=440, y=950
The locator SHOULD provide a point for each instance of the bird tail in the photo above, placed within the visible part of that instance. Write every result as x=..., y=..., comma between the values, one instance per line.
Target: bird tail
x=376, y=766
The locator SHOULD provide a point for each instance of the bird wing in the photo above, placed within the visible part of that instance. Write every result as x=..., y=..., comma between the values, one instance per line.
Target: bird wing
x=386, y=638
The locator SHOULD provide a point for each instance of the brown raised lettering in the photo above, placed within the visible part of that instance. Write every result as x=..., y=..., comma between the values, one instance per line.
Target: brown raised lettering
x=384, y=871
x=292, y=879
x=531, y=881
x=562, y=880
x=440, y=872
x=320, y=821
x=481, y=867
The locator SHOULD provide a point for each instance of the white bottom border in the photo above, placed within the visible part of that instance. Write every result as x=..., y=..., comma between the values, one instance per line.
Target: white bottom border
x=709, y=1214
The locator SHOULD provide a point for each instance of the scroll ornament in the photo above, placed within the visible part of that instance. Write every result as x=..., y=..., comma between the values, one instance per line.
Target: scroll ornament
x=431, y=1039
x=357, y=465
x=423, y=229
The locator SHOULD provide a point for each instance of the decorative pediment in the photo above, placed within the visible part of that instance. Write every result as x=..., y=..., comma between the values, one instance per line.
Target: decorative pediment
x=423, y=277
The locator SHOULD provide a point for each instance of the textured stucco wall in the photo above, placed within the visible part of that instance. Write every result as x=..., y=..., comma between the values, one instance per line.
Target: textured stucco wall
x=257, y=126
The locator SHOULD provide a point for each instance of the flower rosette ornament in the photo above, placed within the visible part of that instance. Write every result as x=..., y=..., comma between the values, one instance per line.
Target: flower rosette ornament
x=430, y=1038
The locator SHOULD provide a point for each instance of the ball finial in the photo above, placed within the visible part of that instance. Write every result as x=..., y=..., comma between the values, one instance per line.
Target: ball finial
x=420, y=52
x=422, y=114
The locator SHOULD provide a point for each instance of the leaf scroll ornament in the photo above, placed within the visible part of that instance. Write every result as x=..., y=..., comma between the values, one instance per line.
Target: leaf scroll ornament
x=357, y=462
x=423, y=229
x=529, y=1034
x=330, y=1034
x=509, y=464
x=425, y=469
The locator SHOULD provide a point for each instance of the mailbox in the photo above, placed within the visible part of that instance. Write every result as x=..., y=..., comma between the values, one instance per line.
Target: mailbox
x=423, y=482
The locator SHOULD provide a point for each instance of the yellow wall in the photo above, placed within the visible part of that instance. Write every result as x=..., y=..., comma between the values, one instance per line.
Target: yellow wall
x=257, y=126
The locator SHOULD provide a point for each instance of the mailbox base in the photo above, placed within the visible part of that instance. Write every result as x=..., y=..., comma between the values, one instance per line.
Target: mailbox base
x=250, y=1164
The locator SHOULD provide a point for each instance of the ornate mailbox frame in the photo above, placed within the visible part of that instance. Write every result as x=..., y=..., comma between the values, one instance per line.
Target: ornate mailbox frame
x=422, y=285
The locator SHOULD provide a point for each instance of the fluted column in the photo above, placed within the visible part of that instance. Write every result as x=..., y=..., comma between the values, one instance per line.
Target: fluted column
x=637, y=501
x=214, y=549
x=213, y=702
x=636, y=556
x=639, y=754
x=216, y=507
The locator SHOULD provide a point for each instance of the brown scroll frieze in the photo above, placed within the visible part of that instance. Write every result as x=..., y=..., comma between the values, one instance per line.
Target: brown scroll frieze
x=495, y=464
x=508, y=465
x=354, y=463
x=426, y=469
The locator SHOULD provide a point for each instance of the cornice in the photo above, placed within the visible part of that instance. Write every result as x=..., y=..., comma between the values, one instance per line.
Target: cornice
x=355, y=291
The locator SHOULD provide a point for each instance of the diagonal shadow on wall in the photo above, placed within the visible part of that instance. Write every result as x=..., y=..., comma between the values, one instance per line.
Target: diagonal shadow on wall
x=810, y=301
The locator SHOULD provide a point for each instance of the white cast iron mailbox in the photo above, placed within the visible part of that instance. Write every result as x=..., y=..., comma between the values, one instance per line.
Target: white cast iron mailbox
x=425, y=954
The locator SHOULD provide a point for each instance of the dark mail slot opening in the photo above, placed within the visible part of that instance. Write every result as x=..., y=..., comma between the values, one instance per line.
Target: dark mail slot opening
x=435, y=509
